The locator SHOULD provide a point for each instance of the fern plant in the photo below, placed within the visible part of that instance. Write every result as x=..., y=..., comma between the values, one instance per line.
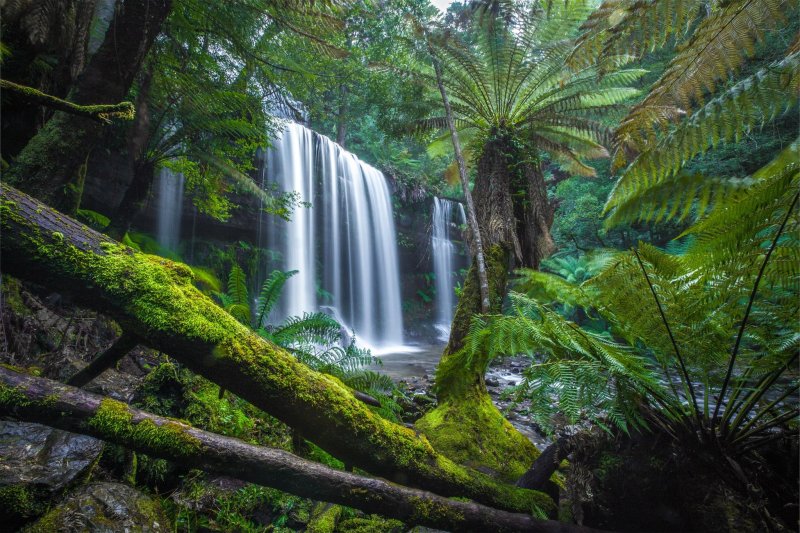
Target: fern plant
x=515, y=104
x=703, y=344
x=315, y=339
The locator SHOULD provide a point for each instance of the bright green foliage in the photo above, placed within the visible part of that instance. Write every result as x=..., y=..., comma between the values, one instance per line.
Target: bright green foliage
x=713, y=44
x=653, y=177
x=270, y=292
x=316, y=339
x=238, y=302
x=513, y=78
x=716, y=319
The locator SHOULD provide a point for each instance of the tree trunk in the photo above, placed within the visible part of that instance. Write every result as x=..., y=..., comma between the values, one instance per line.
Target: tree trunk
x=133, y=200
x=465, y=425
x=155, y=299
x=41, y=400
x=477, y=243
x=143, y=168
x=49, y=167
x=341, y=116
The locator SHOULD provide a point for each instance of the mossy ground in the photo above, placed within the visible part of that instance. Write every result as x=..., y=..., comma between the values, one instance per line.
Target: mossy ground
x=473, y=432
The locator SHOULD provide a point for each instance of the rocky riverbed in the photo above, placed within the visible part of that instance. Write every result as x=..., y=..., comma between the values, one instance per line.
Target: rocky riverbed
x=415, y=372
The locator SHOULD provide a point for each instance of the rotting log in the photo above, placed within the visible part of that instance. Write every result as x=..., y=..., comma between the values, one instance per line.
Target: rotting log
x=41, y=400
x=108, y=358
x=155, y=299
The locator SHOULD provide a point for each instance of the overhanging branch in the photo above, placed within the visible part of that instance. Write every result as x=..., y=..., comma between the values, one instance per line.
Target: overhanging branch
x=101, y=113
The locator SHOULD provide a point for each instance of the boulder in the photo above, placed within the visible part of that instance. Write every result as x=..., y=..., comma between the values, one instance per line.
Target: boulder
x=32, y=454
x=104, y=507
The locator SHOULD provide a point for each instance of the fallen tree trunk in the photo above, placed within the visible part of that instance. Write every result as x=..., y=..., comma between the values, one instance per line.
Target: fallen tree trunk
x=45, y=401
x=155, y=300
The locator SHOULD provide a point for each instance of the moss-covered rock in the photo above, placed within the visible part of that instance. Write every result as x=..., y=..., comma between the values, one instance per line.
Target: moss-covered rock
x=473, y=432
x=104, y=507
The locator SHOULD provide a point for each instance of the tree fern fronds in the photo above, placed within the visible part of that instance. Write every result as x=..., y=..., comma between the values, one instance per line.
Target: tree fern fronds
x=737, y=343
x=747, y=105
x=270, y=292
x=743, y=222
x=551, y=288
x=676, y=199
x=716, y=48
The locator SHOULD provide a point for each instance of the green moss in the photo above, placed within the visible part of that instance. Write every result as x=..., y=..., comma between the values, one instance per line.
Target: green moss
x=12, y=296
x=323, y=518
x=162, y=302
x=114, y=420
x=370, y=524
x=19, y=502
x=425, y=508
x=473, y=432
x=11, y=397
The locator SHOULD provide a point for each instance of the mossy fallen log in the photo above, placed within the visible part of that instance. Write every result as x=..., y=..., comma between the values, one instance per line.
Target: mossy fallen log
x=155, y=300
x=102, y=113
x=45, y=401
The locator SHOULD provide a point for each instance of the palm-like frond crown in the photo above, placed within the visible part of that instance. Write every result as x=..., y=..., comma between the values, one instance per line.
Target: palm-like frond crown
x=713, y=43
x=513, y=77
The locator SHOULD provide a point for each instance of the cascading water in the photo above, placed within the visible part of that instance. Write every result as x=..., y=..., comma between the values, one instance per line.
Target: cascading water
x=344, y=246
x=170, y=208
x=445, y=259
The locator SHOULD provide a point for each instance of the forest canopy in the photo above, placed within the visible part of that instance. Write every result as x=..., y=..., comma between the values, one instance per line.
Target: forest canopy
x=365, y=265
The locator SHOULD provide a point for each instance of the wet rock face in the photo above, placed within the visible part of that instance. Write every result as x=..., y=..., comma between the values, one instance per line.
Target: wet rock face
x=33, y=454
x=105, y=507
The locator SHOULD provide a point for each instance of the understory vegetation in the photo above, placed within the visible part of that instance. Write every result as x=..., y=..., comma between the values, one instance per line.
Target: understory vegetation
x=623, y=347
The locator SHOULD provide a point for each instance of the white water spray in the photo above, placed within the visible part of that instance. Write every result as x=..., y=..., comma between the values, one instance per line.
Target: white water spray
x=344, y=246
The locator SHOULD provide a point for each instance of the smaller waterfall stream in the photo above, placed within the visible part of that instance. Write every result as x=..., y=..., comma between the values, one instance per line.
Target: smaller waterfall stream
x=170, y=209
x=445, y=259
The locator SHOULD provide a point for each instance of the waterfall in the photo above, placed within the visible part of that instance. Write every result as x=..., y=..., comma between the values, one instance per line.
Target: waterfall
x=344, y=245
x=170, y=208
x=445, y=259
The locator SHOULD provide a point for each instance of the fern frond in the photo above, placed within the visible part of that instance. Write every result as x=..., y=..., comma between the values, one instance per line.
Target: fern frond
x=237, y=286
x=747, y=105
x=270, y=292
x=717, y=48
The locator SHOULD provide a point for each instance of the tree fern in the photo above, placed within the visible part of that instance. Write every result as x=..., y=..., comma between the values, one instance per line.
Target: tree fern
x=746, y=105
x=715, y=49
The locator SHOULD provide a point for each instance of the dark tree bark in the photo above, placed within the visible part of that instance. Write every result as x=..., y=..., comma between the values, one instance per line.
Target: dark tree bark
x=108, y=358
x=143, y=168
x=44, y=401
x=538, y=475
x=32, y=31
x=511, y=210
x=49, y=167
x=155, y=299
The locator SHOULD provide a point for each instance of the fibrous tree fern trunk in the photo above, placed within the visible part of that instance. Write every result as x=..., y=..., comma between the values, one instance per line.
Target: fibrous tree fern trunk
x=50, y=165
x=155, y=299
x=514, y=220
